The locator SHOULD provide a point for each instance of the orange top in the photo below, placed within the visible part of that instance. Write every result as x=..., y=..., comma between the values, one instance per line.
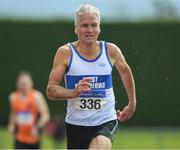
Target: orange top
x=26, y=113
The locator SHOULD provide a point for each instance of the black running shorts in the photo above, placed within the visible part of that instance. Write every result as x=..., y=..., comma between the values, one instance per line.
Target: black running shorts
x=80, y=137
x=21, y=145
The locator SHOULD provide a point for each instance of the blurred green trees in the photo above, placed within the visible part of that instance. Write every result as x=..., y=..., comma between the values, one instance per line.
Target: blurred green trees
x=151, y=49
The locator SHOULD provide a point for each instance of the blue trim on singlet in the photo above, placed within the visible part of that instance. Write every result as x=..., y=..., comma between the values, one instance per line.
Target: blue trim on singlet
x=88, y=60
x=70, y=62
x=107, y=54
x=103, y=81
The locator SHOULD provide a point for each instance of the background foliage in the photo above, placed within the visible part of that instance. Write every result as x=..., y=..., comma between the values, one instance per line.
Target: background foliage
x=151, y=49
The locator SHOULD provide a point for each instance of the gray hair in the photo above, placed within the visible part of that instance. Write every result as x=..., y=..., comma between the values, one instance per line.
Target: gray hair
x=86, y=8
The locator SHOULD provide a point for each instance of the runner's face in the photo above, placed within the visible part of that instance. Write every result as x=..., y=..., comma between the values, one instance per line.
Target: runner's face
x=87, y=29
x=24, y=83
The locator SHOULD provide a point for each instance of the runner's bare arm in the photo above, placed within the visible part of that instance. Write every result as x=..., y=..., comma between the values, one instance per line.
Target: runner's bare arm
x=11, y=123
x=43, y=109
x=54, y=89
x=125, y=73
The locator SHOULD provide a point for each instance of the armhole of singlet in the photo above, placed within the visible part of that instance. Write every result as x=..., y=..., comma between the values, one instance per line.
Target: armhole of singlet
x=70, y=61
x=36, y=97
x=106, y=49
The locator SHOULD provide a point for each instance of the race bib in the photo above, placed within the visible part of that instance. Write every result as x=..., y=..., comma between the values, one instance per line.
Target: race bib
x=24, y=118
x=89, y=103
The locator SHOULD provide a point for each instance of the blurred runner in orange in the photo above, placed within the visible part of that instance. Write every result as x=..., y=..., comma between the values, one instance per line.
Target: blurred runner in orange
x=29, y=113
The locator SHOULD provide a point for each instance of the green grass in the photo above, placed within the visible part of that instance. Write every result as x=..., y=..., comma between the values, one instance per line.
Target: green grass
x=126, y=138
x=147, y=138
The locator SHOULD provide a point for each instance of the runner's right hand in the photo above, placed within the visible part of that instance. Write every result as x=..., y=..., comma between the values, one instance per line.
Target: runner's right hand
x=82, y=86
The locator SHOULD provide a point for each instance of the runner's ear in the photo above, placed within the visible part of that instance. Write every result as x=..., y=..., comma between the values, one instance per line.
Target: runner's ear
x=75, y=30
x=99, y=30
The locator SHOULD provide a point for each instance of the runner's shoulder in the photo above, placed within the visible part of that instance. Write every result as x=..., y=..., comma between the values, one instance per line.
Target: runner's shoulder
x=12, y=96
x=65, y=49
x=113, y=51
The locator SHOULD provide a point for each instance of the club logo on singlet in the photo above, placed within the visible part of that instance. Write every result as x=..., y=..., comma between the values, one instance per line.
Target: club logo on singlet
x=102, y=64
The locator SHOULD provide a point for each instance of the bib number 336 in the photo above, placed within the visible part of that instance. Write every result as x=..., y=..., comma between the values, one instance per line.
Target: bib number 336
x=90, y=104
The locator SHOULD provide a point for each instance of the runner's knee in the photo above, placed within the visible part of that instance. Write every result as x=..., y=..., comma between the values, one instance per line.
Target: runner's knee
x=100, y=142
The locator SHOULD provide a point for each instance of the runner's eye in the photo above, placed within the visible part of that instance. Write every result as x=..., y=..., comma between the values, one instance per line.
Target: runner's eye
x=94, y=25
x=84, y=25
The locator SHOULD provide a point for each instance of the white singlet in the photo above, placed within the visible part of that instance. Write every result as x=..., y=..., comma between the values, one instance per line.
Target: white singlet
x=95, y=107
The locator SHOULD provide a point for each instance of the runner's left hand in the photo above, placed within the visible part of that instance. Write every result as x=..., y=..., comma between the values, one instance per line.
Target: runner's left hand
x=125, y=114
